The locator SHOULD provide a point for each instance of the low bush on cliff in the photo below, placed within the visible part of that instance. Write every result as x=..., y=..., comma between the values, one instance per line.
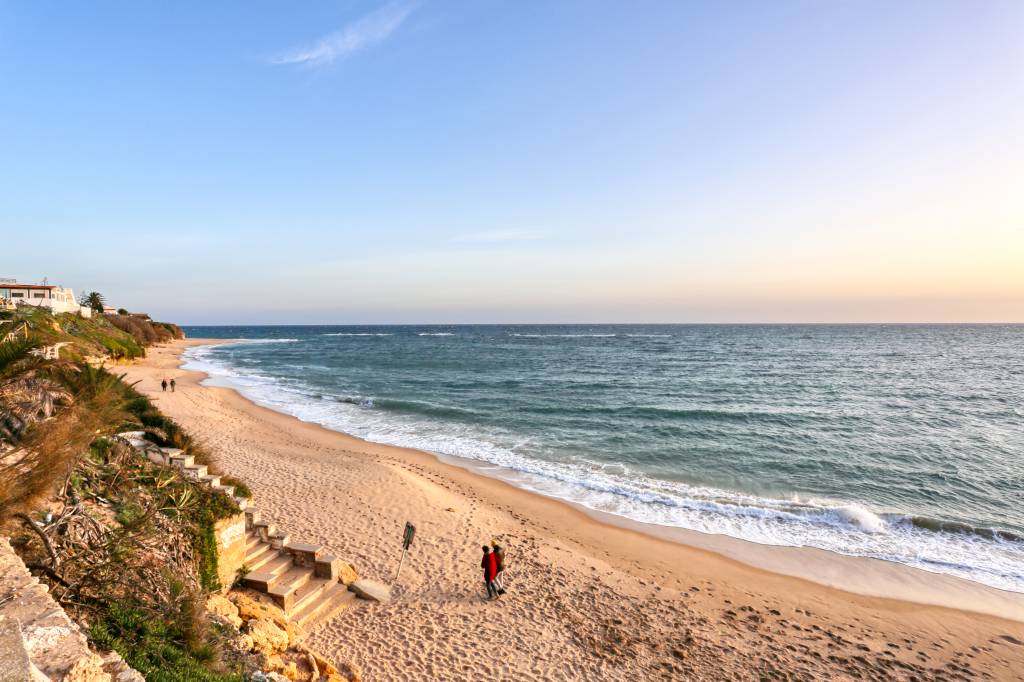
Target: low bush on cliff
x=117, y=336
x=126, y=547
x=145, y=331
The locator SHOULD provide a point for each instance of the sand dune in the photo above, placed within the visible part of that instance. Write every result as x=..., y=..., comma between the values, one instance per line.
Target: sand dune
x=586, y=600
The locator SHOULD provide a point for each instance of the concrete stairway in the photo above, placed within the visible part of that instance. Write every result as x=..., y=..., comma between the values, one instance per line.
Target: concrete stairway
x=302, y=579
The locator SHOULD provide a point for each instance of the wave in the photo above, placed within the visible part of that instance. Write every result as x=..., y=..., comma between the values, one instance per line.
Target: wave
x=940, y=526
x=435, y=334
x=249, y=342
x=563, y=336
x=989, y=556
x=356, y=334
x=663, y=414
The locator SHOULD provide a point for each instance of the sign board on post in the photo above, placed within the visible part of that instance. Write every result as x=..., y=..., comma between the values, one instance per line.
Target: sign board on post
x=410, y=532
x=407, y=536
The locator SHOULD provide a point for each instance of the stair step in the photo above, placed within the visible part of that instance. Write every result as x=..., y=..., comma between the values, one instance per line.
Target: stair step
x=265, y=529
x=181, y=461
x=309, y=593
x=196, y=471
x=308, y=613
x=272, y=562
x=279, y=539
x=242, y=502
x=212, y=481
x=264, y=578
x=257, y=555
x=252, y=541
x=285, y=588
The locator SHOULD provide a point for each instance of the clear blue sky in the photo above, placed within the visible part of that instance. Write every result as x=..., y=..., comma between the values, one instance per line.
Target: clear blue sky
x=338, y=162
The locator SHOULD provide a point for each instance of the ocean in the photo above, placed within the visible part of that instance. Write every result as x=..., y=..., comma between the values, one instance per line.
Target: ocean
x=898, y=442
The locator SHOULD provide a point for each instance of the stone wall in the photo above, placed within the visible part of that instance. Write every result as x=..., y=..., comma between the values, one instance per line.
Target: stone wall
x=230, y=537
x=52, y=642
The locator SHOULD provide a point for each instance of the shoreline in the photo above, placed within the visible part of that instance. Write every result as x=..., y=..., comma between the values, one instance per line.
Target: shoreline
x=864, y=576
x=891, y=597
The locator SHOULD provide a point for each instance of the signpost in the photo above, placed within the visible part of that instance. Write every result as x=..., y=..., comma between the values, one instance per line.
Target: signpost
x=407, y=536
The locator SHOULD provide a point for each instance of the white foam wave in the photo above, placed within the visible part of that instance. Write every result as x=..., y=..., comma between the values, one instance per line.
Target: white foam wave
x=564, y=336
x=861, y=518
x=356, y=334
x=435, y=334
x=834, y=525
x=247, y=342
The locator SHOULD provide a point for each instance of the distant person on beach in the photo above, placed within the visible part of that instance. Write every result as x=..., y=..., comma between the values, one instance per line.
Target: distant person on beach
x=490, y=566
x=499, y=560
x=163, y=385
x=172, y=385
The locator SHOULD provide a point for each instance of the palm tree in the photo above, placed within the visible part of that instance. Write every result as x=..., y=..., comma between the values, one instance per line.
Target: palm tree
x=94, y=300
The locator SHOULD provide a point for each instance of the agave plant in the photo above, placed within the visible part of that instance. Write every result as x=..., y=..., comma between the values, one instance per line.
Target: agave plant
x=180, y=501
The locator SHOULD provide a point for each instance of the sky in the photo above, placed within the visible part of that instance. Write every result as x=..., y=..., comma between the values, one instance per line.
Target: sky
x=360, y=162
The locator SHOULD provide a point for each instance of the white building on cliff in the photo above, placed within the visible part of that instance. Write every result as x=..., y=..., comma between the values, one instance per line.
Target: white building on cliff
x=58, y=299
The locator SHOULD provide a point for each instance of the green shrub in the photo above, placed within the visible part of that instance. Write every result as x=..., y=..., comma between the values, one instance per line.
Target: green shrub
x=241, y=489
x=162, y=649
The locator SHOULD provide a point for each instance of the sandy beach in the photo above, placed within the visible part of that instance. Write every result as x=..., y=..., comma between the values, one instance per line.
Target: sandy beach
x=589, y=598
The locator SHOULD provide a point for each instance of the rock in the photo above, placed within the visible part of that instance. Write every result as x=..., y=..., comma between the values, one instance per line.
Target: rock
x=370, y=590
x=249, y=609
x=291, y=671
x=242, y=643
x=267, y=636
x=323, y=666
x=267, y=677
x=218, y=605
x=14, y=661
x=347, y=573
x=314, y=674
x=119, y=670
x=88, y=669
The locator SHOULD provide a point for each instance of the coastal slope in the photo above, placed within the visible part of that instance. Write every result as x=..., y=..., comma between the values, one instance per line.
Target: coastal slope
x=586, y=600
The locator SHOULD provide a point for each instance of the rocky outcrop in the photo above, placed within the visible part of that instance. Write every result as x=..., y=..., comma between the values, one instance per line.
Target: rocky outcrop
x=269, y=642
x=52, y=642
x=220, y=607
x=268, y=637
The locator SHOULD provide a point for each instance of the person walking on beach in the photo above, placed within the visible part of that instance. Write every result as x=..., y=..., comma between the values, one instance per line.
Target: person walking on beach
x=172, y=385
x=499, y=560
x=163, y=385
x=490, y=566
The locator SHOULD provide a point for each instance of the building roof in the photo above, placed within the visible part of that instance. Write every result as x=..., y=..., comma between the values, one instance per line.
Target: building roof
x=28, y=286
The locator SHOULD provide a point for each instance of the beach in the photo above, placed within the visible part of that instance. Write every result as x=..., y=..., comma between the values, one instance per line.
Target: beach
x=588, y=597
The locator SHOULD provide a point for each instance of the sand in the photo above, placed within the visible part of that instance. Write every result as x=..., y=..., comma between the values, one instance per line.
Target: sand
x=586, y=599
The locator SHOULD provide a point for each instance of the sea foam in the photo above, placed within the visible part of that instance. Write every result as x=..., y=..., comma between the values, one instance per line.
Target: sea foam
x=836, y=525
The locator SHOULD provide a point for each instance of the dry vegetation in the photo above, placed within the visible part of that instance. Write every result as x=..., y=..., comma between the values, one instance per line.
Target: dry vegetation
x=126, y=547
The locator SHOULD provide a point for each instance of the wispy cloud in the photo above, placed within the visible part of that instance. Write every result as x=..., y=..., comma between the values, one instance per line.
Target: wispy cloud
x=374, y=28
x=498, y=236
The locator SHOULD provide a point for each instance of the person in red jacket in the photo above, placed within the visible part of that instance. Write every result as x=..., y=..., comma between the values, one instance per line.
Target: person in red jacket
x=490, y=566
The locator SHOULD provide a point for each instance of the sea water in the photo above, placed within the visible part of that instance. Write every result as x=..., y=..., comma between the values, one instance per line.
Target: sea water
x=899, y=442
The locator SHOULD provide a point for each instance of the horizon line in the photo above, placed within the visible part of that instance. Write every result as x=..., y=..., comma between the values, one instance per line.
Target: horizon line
x=590, y=324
